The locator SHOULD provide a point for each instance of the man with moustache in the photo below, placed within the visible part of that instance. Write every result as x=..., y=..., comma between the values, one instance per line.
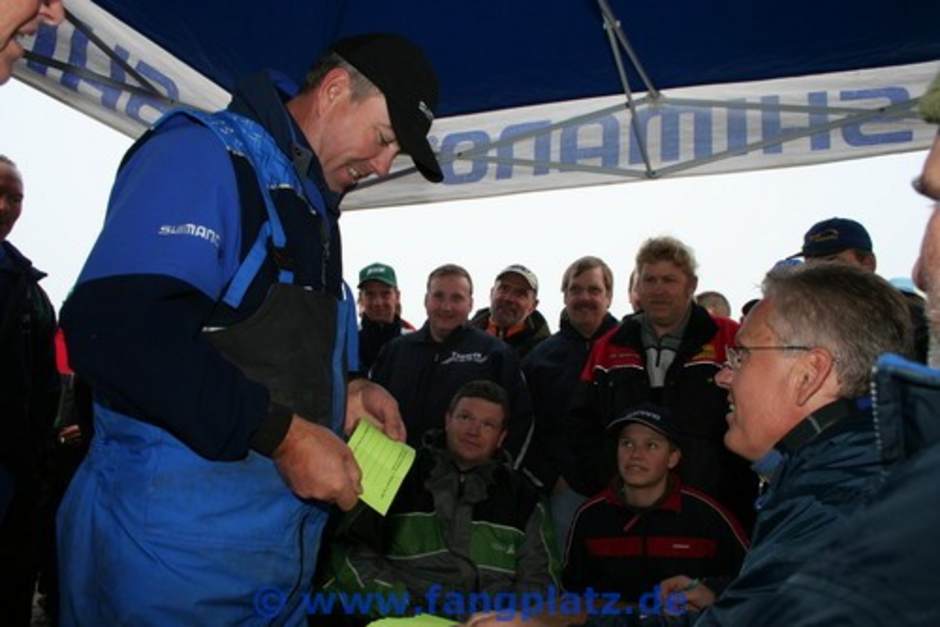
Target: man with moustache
x=552, y=370
x=19, y=18
x=512, y=315
x=423, y=370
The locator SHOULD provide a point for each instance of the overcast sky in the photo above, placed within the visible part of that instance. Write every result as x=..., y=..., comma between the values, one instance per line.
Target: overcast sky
x=737, y=224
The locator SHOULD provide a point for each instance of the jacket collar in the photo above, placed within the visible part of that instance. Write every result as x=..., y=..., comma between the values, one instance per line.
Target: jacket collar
x=671, y=500
x=262, y=97
x=822, y=420
x=699, y=330
x=424, y=335
x=567, y=329
x=12, y=260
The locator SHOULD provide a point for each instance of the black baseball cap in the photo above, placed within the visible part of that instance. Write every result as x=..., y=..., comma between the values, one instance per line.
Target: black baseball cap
x=656, y=417
x=833, y=236
x=405, y=76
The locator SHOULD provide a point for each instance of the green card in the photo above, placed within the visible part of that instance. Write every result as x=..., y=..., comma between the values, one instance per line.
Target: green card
x=384, y=464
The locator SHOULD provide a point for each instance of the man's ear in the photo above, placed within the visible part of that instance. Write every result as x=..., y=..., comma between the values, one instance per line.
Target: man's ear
x=502, y=438
x=334, y=85
x=810, y=373
x=674, y=457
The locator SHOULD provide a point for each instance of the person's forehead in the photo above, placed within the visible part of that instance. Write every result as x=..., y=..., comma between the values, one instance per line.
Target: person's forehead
x=377, y=286
x=589, y=276
x=756, y=327
x=450, y=283
x=479, y=407
x=10, y=176
x=661, y=268
x=514, y=281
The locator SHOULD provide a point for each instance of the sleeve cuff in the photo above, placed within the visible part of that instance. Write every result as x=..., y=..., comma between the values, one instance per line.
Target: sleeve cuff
x=272, y=430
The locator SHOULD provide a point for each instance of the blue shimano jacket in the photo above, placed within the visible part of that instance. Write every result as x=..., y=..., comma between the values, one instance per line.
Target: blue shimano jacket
x=178, y=516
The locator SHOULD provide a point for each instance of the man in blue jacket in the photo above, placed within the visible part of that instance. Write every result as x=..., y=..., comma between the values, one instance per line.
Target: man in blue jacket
x=212, y=320
x=880, y=567
x=799, y=380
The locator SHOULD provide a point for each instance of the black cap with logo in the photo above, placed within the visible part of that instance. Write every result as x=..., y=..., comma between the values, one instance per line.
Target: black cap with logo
x=653, y=416
x=405, y=76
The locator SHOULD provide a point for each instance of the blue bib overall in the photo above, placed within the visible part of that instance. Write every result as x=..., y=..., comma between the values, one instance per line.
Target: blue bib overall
x=158, y=535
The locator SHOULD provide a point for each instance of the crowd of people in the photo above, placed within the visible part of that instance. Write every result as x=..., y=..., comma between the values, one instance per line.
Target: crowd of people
x=186, y=421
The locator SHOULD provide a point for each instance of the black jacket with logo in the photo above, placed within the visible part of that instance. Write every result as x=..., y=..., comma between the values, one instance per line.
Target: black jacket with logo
x=423, y=375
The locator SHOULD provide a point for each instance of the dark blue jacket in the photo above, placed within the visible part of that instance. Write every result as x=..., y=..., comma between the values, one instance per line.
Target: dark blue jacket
x=551, y=370
x=880, y=567
x=821, y=487
x=29, y=381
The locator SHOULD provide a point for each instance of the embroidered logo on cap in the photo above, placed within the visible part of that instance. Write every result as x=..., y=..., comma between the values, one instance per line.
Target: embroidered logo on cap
x=426, y=110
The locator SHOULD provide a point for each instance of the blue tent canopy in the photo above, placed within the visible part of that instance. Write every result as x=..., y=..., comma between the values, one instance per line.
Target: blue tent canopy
x=496, y=55
x=539, y=94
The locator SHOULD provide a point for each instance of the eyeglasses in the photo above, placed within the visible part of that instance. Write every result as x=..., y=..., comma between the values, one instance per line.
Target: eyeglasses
x=737, y=354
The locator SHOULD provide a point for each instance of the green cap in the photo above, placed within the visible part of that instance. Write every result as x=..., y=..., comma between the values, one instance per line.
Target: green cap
x=378, y=272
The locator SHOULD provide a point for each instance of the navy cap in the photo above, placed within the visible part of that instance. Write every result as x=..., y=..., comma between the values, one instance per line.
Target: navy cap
x=834, y=235
x=655, y=417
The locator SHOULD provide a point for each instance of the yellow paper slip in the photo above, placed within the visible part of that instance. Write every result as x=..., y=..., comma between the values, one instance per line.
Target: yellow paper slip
x=422, y=620
x=384, y=464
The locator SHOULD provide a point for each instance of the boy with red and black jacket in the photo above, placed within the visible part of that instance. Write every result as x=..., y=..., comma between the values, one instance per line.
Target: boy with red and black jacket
x=647, y=526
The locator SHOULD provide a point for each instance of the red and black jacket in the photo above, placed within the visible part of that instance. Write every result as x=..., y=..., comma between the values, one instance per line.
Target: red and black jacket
x=615, y=548
x=614, y=379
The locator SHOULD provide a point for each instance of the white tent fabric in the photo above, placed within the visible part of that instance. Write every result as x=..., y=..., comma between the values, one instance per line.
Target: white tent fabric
x=695, y=130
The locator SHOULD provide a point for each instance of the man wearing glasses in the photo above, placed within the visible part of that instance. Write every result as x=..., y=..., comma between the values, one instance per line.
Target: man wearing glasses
x=799, y=380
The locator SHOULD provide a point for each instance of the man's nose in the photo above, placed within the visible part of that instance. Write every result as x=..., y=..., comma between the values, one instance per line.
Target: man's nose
x=382, y=163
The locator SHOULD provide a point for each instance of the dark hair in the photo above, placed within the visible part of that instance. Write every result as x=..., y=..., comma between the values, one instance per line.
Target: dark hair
x=450, y=269
x=5, y=159
x=486, y=390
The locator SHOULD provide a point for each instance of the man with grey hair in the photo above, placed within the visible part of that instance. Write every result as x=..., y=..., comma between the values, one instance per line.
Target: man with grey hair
x=880, y=567
x=799, y=378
